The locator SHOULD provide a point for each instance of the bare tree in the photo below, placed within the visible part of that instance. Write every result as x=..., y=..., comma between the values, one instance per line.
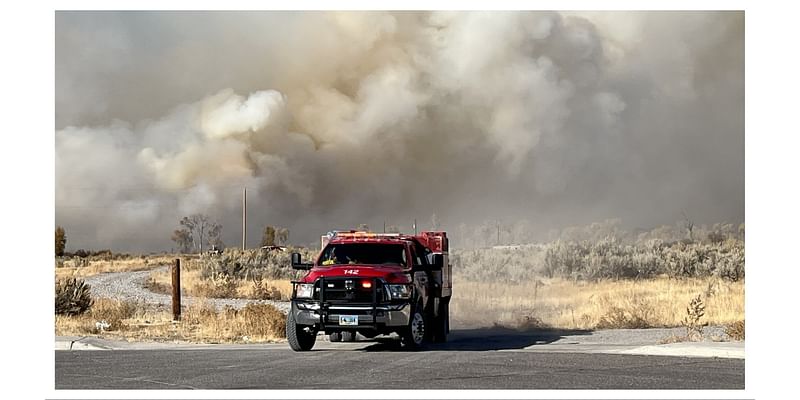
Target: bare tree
x=183, y=238
x=199, y=226
x=362, y=227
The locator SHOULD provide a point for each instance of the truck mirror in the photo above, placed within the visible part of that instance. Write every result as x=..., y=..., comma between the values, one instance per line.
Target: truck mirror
x=438, y=262
x=297, y=262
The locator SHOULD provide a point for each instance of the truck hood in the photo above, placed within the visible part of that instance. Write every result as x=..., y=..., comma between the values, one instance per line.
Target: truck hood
x=391, y=274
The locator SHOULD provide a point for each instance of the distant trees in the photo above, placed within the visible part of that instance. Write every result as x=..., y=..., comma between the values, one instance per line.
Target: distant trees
x=196, y=230
x=268, y=238
x=183, y=238
x=274, y=236
x=61, y=241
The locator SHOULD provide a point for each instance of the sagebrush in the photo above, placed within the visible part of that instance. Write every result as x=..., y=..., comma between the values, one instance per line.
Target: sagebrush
x=73, y=296
x=618, y=255
x=735, y=331
x=255, y=263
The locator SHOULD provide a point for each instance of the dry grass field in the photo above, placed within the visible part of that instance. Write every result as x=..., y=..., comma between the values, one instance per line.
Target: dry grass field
x=221, y=286
x=76, y=267
x=553, y=303
x=199, y=323
x=570, y=304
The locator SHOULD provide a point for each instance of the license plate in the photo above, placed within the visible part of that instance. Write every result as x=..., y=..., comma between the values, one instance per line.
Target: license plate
x=348, y=320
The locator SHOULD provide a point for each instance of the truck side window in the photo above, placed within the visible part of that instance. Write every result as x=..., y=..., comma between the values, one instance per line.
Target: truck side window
x=420, y=258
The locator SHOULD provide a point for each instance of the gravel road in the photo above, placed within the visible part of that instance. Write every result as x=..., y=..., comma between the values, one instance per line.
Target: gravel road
x=129, y=286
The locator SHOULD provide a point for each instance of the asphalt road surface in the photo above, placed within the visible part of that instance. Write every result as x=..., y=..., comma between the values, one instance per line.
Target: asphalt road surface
x=466, y=362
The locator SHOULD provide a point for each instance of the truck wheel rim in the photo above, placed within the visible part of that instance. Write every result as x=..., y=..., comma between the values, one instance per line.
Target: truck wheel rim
x=418, y=328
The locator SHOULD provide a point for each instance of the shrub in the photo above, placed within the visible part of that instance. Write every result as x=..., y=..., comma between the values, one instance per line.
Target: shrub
x=617, y=318
x=216, y=286
x=618, y=255
x=113, y=312
x=247, y=264
x=694, y=312
x=263, y=320
x=264, y=292
x=735, y=331
x=73, y=297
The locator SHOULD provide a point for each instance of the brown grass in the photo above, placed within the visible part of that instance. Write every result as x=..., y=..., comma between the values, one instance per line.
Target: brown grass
x=199, y=323
x=77, y=267
x=570, y=304
x=193, y=284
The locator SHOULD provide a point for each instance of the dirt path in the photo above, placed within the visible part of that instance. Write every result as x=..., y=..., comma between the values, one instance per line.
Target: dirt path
x=129, y=286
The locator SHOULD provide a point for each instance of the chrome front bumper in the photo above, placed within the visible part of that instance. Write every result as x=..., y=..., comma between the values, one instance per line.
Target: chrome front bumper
x=308, y=313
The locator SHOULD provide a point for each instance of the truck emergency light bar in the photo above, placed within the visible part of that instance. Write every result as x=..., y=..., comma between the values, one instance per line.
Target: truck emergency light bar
x=434, y=240
x=362, y=235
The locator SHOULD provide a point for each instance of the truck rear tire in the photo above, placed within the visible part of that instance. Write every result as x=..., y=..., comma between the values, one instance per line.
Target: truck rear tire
x=299, y=339
x=348, y=336
x=441, y=326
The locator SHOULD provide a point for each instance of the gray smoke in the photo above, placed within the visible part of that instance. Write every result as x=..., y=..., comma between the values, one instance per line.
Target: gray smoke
x=339, y=118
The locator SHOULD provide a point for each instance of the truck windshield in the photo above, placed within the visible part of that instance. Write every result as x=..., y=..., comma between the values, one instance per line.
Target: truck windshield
x=363, y=253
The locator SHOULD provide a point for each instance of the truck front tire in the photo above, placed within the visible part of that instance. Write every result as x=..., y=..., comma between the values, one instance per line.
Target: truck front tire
x=413, y=336
x=299, y=339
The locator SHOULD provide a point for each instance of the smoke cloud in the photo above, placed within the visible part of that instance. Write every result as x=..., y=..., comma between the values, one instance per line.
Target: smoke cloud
x=332, y=119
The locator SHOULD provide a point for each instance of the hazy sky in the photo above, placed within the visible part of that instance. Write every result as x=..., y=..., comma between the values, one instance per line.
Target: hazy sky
x=335, y=119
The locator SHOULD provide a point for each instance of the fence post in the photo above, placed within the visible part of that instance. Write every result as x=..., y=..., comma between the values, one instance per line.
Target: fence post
x=176, y=290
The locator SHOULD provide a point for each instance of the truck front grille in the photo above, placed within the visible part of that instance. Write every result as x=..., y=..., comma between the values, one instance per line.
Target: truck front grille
x=349, y=290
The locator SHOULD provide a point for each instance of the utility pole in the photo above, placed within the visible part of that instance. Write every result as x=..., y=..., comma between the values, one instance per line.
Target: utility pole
x=415, y=226
x=244, y=218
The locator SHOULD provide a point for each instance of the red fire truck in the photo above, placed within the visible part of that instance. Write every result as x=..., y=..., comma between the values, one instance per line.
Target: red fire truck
x=373, y=284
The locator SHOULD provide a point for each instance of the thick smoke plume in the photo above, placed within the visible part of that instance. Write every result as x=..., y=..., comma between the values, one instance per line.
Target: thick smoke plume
x=340, y=118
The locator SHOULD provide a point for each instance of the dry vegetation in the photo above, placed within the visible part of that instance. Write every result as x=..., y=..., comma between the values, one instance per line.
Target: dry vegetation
x=593, y=277
x=250, y=274
x=80, y=267
x=601, y=276
x=573, y=304
x=199, y=323
x=221, y=286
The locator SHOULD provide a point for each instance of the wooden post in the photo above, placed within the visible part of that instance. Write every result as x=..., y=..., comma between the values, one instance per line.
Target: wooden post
x=244, y=219
x=176, y=290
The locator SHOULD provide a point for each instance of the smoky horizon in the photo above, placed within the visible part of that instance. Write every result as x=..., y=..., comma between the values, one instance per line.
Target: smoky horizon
x=332, y=120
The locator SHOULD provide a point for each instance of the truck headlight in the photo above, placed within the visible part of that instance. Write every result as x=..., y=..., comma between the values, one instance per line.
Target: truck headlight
x=304, y=290
x=400, y=291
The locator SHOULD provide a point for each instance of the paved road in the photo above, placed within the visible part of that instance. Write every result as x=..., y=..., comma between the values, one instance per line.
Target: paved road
x=467, y=362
